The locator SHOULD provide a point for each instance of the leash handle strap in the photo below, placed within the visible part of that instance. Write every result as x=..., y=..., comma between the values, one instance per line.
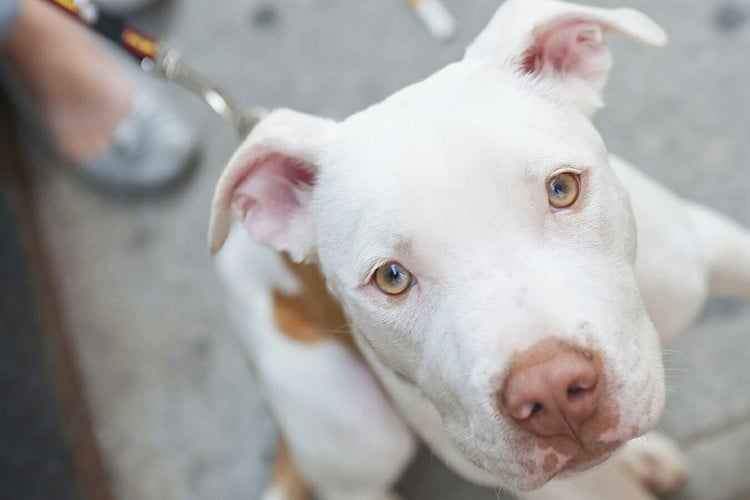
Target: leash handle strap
x=157, y=58
x=112, y=27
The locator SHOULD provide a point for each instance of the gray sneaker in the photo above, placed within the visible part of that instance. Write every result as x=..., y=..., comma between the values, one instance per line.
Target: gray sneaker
x=152, y=149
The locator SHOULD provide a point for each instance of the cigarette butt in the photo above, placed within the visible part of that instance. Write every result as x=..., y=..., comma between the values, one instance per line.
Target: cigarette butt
x=436, y=17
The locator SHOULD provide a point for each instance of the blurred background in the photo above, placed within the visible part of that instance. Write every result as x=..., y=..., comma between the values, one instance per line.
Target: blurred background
x=119, y=375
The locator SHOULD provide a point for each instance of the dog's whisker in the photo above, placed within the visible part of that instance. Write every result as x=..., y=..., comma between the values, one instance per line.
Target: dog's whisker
x=673, y=351
x=674, y=357
x=677, y=370
x=344, y=329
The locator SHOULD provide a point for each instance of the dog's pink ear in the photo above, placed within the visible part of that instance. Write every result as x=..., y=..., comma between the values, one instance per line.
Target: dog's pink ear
x=562, y=43
x=268, y=184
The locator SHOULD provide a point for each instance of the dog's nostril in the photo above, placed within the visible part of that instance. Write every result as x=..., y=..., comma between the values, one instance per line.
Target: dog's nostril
x=580, y=387
x=527, y=410
x=575, y=390
x=537, y=408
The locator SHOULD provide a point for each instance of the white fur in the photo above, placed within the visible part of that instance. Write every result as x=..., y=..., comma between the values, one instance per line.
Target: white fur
x=448, y=178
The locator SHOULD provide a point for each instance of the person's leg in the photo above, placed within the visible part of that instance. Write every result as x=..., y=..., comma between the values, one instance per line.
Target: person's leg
x=79, y=91
x=120, y=134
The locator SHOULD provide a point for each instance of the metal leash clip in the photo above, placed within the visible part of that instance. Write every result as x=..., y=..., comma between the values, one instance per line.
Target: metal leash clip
x=168, y=64
x=158, y=59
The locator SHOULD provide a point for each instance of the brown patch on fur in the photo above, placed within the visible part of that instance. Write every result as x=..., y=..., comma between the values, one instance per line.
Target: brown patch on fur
x=313, y=315
x=286, y=477
x=550, y=463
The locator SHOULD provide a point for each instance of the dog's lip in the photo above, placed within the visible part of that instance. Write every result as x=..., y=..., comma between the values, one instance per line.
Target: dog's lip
x=583, y=459
x=587, y=458
x=566, y=470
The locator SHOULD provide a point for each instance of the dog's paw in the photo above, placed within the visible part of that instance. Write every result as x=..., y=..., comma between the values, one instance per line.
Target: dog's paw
x=284, y=492
x=277, y=494
x=657, y=462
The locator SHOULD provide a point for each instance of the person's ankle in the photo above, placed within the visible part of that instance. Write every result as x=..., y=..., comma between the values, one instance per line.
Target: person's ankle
x=79, y=90
x=83, y=130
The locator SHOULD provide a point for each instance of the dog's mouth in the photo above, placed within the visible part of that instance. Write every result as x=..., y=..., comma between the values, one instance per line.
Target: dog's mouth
x=588, y=458
x=541, y=465
x=584, y=460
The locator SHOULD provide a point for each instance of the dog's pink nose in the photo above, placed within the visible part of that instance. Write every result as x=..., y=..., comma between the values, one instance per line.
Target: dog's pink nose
x=552, y=389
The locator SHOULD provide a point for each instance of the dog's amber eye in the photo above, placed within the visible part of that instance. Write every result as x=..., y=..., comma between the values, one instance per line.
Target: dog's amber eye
x=562, y=190
x=392, y=278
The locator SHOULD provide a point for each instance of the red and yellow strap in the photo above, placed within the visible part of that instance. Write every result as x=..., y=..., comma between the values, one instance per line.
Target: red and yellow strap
x=67, y=5
x=138, y=44
x=114, y=28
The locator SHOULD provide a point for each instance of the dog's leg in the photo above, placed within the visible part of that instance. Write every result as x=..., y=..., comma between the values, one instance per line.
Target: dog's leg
x=648, y=466
x=725, y=246
x=655, y=461
x=286, y=482
x=343, y=436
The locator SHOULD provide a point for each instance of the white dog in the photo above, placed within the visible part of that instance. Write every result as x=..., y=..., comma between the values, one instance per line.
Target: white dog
x=498, y=279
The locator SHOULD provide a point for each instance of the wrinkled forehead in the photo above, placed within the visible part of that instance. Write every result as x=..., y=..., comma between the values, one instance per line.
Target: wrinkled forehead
x=461, y=125
x=455, y=153
x=465, y=98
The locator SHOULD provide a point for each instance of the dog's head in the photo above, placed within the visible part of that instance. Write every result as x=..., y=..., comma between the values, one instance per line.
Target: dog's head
x=478, y=240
